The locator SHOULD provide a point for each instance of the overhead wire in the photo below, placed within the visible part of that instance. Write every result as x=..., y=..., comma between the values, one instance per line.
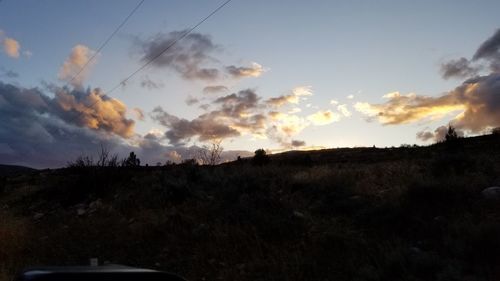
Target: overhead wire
x=183, y=35
x=106, y=41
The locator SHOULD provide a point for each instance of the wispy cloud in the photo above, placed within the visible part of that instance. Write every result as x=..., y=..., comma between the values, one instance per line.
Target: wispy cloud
x=255, y=70
x=217, y=89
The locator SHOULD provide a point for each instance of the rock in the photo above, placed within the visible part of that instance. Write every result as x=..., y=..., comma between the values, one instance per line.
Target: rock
x=491, y=193
x=38, y=216
x=81, y=211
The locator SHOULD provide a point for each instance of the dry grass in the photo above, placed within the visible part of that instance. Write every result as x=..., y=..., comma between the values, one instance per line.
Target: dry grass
x=416, y=215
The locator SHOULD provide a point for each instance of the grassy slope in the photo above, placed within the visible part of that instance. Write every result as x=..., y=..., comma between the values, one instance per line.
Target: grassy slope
x=9, y=170
x=349, y=214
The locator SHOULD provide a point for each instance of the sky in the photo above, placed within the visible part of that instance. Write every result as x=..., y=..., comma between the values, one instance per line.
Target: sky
x=257, y=74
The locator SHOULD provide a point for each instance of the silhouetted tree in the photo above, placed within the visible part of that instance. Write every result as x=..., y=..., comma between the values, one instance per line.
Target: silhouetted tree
x=132, y=160
x=496, y=131
x=260, y=158
x=211, y=154
x=451, y=134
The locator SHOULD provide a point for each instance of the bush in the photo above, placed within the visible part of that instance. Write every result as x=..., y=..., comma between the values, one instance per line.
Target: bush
x=260, y=158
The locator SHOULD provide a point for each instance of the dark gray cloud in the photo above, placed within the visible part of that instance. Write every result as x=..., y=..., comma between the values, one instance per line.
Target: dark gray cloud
x=192, y=57
x=233, y=115
x=490, y=51
x=8, y=73
x=489, y=48
x=34, y=132
x=438, y=135
x=188, y=56
x=215, y=89
x=182, y=130
x=191, y=100
x=460, y=68
x=298, y=143
x=149, y=84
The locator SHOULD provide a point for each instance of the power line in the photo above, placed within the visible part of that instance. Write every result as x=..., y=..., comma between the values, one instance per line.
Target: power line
x=187, y=32
x=184, y=34
x=107, y=40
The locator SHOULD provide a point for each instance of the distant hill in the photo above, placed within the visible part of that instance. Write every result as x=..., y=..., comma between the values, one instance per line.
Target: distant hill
x=8, y=170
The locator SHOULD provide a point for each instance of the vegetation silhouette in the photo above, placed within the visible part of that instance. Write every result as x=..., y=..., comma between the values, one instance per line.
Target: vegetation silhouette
x=406, y=213
x=260, y=158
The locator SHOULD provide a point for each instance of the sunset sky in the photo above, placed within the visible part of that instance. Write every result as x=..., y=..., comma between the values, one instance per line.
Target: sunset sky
x=278, y=75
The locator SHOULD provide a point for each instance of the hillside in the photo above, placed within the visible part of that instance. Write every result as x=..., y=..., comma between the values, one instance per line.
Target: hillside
x=409, y=213
x=8, y=170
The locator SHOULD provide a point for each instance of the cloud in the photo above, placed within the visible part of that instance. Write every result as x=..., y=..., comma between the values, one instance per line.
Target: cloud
x=255, y=70
x=41, y=131
x=425, y=135
x=343, y=109
x=404, y=109
x=92, y=109
x=477, y=101
x=232, y=115
x=36, y=128
x=191, y=100
x=139, y=114
x=294, y=97
x=298, y=143
x=333, y=102
x=11, y=47
x=73, y=64
x=437, y=136
x=8, y=73
x=323, y=118
x=174, y=156
x=243, y=113
x=182, y=130
x=191, y=57
x=460, y=68
x=149, y=84
x=187, y=57
x=215, y=89
x=28, y=53
x=490, y=47
x=350, y=97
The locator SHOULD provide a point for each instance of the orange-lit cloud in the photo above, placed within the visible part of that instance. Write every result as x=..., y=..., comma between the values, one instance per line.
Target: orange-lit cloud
x=323, y=117
x=73, y=64
x=403, y=109
x=11, y=47
x=95, y=111
x=475, y=106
